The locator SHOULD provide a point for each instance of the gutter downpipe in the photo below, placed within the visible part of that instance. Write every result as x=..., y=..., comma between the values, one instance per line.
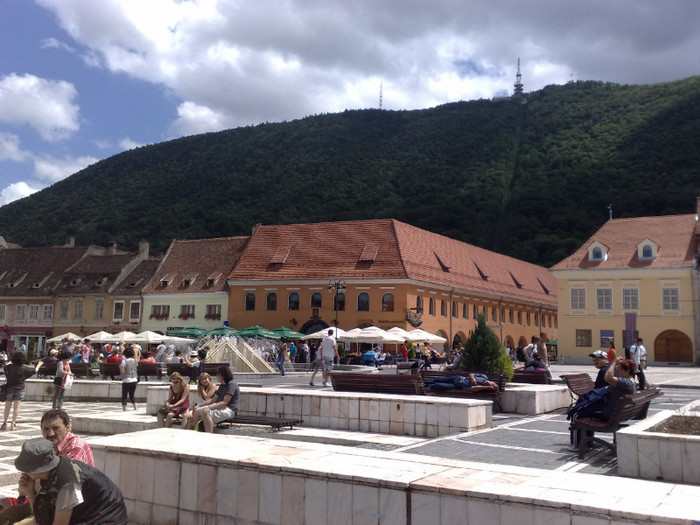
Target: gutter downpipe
x=500, y=310
x=449, y=312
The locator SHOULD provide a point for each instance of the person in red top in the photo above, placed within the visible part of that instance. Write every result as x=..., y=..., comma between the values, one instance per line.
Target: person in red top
x=611, y=351
x=404, y=352
x=114, y=357
x=55, y=426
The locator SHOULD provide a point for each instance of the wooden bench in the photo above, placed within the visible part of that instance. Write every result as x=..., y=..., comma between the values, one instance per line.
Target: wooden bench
x=407, y=367
x=185, y=370
x=110, y=370
x=149, y=369
x=537, y=377
x=494, y=395
x=276, y=423
x=47, y=370
x=405, y=384
x=81, y=370
x=630, y=406
x=577, y=384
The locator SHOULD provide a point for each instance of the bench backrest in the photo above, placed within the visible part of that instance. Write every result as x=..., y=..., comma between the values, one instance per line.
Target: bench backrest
x=633, y=406
x=148, y=369
x=537, y=377
x=47, y=369
x=81, y=369
x=578, y=383
x=109, y=369
x=499, y=379
x=377, y=383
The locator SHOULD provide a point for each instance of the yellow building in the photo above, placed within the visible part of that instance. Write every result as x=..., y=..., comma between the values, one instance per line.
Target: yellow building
x=632, y=277
x=386, y=273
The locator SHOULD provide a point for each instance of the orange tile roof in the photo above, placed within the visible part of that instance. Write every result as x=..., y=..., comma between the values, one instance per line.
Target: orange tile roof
x=673, y=234
x=399, y=251
x=196, y=261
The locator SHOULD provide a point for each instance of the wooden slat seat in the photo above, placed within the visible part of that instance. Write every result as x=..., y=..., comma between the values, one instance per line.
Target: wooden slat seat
x=577, y=384
x=628, y=407
x=536, y=377
x=404, y=384
x=276, y=423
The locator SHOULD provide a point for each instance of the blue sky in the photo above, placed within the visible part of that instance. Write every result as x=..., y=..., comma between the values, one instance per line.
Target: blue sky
x=81, y=80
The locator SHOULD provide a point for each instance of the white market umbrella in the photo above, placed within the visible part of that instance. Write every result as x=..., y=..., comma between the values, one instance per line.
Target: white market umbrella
x=99, y=337
x=400, y=332
x=421, y=336
x=338, y=333
x=122, y=336
x=373, y=334
x=61, y=337
x=149, y=337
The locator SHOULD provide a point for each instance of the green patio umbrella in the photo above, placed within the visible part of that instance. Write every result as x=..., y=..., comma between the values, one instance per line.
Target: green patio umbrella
x=223, y=330
x=258, y=331
x=288, y=333
x=191, y=332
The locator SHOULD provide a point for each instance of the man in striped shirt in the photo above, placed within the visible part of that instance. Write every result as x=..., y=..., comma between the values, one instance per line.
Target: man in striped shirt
x=55, y=426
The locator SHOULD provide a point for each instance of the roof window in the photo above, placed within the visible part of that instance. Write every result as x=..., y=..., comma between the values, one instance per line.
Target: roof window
x=597, y=252
x=647, y=250
x=369, y=253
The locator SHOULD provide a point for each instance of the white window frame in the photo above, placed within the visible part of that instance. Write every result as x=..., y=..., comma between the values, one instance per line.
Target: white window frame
x=20, y=312
x=630, y=298
x=78, y=304
x=577, y=298
x=2, y=311
x=114, y=310
x=604, y=299
x=99, y=308
x=33, y=312
x=64, y=308
x=47, y=313
x=133, y=304
x=672, y=294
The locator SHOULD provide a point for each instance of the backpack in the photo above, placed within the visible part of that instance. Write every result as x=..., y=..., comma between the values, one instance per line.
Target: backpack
x=520, y=354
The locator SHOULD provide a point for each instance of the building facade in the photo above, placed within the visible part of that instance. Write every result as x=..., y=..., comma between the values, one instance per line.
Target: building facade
x=632, y=277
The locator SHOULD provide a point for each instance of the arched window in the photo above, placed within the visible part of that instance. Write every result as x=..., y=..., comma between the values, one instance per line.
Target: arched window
x=443, y=308
x=527, y=316
x=431, y=306
x=503, y=315
x=647, y=252
x=510, y=316
x=454, y=309
x=465, y=310
x=537, y=320
x=388, y=302
x=597, y=253
x=293, y=301
x=419, y=304
x=339, y=302
x=475, y=312
x=486, y=314
x=316, y=300
x=249, y=301
x=520, y=318
x=271, y=302
x=493, y=315
x=363, y=302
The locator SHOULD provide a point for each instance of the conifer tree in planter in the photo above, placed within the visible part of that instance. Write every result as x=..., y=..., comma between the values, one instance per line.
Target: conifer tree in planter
x=483, y=353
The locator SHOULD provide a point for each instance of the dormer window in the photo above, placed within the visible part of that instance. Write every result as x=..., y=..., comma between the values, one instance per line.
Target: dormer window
x=597, y=252
x=166, y=280
x=647, y=250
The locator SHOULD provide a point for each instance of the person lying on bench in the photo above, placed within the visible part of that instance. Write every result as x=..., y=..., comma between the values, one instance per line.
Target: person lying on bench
x=472, y=382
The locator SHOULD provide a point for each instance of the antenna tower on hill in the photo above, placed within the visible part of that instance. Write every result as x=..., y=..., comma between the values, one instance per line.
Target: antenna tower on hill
x=518, y=94
x=381, y=95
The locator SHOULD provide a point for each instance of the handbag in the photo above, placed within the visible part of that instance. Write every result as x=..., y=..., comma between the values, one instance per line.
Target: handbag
x=3, y=392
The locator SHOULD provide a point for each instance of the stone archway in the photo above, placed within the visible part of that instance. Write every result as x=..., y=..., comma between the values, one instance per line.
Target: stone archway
x=522, y=341
x=673, y=345
x=314, y=325
x=509, y=342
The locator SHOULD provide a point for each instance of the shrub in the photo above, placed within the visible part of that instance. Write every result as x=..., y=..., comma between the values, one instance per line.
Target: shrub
x=483, y=353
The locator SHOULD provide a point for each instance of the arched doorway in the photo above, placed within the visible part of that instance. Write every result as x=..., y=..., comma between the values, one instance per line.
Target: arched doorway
x=673, y=345
x=509, y=342
x=522, y=341
x=312, y=326
x=458, y=339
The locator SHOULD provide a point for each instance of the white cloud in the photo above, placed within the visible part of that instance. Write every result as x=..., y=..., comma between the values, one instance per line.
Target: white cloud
x=127, y=144
x=193, y=119
x=45, y=105
x=10, y=148
x=52, y=170
x=17, y=190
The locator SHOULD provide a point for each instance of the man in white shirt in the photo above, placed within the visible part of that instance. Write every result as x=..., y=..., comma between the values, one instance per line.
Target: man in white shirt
x=329, y=350
x=639, y=355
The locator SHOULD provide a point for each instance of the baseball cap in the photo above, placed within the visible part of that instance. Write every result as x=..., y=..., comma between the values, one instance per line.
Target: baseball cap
x=37, y=456
x=599, y=353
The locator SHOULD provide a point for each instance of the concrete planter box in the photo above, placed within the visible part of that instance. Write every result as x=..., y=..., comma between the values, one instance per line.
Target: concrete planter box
x=658, y=455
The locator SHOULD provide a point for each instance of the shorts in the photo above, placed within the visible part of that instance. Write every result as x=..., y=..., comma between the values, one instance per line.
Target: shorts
x=222, y=414
x=327, y=364
x=15, y=396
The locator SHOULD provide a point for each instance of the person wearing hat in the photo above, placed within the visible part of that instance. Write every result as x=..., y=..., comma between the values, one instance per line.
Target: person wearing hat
x=71, y=491
x=600, y=361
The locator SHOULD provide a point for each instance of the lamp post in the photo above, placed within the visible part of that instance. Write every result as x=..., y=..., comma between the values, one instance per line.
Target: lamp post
x=337, y=285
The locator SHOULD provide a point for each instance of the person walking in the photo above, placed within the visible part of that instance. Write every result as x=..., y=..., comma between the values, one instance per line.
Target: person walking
x=328, y=350
x=281, y=355
x=128, y=369
x=639, y=355
x=60, y=379
x=16, y=372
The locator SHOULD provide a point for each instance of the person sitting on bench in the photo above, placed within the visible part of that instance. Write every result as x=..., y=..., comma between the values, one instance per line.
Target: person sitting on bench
x=472, y=382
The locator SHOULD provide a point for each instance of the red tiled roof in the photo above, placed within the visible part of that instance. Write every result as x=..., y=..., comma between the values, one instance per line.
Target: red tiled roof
x=335, y=249
x=196, y=260
x=137, y=279
x=672, y=233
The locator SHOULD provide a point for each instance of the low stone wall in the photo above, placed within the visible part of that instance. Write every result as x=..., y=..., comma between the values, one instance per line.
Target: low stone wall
x=523, y=398
x=424, y=416
x=217, y=479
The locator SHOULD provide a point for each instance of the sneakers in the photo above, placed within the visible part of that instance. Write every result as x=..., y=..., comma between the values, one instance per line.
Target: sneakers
x=573, y=448
x=325, y=383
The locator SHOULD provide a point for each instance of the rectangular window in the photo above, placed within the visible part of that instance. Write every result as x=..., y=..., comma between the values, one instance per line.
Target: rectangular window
x=213, y=312
x=604, y=298
x=48, y=312
x=99, y=308
x=630, y=299
x=118, y=310
x=20, y=312
x=578, y=298
x=527, y=318
x=63, y=314
x=78, y=309
x=134, y=311
x=671, y=299
x=511, y=319
x=2, y=311
x=160, y=311
x=520, y=318
x=186, y=311
x=33, y=312
x=584, y=338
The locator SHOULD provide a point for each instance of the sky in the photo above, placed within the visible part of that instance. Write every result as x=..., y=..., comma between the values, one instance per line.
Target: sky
x=82, y=80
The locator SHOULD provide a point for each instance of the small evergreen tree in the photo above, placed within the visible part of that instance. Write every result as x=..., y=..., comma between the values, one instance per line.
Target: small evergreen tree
x=483, y=353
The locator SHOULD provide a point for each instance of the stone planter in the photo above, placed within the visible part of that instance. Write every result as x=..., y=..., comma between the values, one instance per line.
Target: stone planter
x=658, y=455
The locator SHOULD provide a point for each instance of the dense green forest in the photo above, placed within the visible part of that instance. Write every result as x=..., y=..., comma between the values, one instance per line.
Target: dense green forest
x=529, y=180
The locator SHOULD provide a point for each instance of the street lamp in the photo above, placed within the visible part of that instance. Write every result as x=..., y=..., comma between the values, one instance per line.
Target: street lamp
x=337, y=285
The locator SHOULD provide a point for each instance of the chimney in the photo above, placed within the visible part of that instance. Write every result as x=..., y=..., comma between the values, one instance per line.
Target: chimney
x=112, y=248
x=255, y=228
x=70, y=241
x=697, y=208
x=144, y=249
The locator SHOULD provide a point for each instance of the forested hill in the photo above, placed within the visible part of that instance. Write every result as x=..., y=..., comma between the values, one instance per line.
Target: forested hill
x=529, y=180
